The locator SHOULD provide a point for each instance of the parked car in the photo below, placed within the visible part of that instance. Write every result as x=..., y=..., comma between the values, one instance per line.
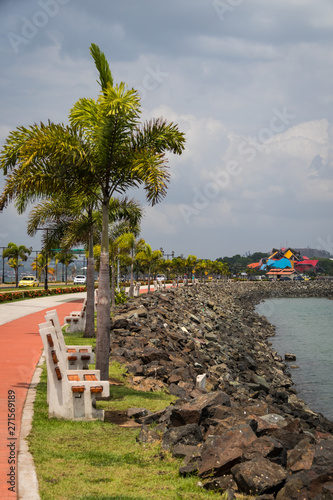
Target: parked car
x=298, y=278
x=160, y=277
x=29, y=281
x=80, y=279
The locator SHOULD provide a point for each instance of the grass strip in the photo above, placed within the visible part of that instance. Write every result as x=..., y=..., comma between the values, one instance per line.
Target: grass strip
x=102, y=461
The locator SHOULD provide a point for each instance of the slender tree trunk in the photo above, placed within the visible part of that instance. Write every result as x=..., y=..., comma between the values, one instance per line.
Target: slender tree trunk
x=148, y=279
x=131, y=290
x=113, y=296
x=89, y=331
x=103, y=307
x=16, y=276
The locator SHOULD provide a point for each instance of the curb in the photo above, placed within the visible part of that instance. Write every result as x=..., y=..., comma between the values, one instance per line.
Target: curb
x=27, y=478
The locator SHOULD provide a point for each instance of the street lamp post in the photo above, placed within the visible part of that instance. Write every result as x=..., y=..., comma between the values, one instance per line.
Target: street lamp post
x=47, y=229
x=167, y=255
x=3, y=265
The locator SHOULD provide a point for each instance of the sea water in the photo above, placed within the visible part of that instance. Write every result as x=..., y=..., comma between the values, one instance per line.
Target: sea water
x=304, y=327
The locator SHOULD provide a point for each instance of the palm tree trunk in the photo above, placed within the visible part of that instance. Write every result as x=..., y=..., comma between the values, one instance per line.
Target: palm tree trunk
x=113, y=297
x=130, y=293
x=148, y=279
x=103, y=307
x=16, y=276
x=89, y=331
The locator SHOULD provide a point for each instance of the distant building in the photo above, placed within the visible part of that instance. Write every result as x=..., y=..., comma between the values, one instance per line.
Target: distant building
x=286, y=261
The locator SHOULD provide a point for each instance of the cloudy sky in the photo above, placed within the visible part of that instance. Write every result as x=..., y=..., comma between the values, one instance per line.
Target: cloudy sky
x=249, y=82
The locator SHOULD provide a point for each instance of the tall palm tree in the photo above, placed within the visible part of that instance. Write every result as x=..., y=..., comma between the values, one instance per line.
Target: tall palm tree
x=16, y=254
x=147, y=257
x=104, y=148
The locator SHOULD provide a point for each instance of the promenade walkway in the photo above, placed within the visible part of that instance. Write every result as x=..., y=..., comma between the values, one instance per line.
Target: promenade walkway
x=20, y=351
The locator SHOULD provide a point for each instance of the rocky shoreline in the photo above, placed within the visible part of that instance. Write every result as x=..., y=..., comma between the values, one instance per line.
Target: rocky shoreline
x=238, y=423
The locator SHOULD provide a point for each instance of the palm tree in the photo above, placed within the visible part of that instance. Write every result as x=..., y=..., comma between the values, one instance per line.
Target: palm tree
x=66, y=257
x=16, y=255
x=148, y=258
x=104, y=148
x=190, y=265
x=39, y=265
x=178, y=264
x=129, y=246
x=201, y=266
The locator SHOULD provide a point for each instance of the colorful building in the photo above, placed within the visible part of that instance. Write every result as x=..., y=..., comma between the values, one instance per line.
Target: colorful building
x=285, y=262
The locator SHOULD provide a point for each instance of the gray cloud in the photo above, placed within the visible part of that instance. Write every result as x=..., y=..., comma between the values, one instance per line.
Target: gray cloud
x=222, y=75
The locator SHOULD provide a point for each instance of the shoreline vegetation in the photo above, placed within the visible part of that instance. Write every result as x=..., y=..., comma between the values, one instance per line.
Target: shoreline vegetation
x=246, y=433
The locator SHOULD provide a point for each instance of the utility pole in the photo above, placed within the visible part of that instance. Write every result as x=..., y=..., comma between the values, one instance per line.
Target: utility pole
x=3, y=265
x=47, y=229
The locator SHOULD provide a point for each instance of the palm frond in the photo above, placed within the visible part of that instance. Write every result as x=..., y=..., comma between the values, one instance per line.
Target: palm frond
x=102, y=66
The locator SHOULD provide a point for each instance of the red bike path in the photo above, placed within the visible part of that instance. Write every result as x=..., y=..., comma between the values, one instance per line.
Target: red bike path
x=20, y=351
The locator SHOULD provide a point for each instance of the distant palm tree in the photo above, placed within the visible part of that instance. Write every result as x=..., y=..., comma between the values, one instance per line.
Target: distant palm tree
x=148, y=258
x=16, y=255
x=190, y=265
x=178, y=264
x=66, y=257
x=129, y=246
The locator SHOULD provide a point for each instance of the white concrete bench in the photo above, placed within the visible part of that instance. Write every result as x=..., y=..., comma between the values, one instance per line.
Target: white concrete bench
x=76, y=321
x=77, y=357
x=71, y=393
x=137, y=289
x=159, y=285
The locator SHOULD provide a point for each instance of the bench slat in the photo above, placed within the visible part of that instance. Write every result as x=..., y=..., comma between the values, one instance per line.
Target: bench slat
x=54, y=357
x=96, y=389
x=78, y=388
x=50, y=340
x=90, y=377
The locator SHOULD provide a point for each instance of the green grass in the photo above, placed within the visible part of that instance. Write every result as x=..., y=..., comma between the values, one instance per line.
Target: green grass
x=97, y=460
x=101, y=461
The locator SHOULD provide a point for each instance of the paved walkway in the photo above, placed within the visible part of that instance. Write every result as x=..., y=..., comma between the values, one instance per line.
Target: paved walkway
x=20, y=350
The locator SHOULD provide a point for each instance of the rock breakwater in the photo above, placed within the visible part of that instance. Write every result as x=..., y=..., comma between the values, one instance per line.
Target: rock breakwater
x=238, y=423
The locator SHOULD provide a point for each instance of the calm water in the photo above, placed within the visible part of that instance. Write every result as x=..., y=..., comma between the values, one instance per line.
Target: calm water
x=304, y=327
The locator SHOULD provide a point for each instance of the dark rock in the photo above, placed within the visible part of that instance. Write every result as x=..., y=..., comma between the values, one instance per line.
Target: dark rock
x=187, y=434
x=147, y=435
x=323, y=456
x=221, y=453
x=301, y=457
x=258, y=476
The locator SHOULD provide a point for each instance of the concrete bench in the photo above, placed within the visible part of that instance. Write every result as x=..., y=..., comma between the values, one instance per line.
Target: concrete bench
x=136, y=289
x=76, y=321
x=71, y=393
x=77, y=357
x=158, y=285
